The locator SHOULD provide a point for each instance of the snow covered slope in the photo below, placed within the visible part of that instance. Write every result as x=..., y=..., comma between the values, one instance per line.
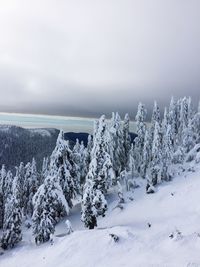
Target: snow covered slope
x=162, y=229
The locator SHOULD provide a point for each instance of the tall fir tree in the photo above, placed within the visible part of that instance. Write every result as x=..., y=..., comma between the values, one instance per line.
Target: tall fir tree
x=167, y=152
x=117, y=149
x=146, y=155
x=101, y=168
x=88, y=214
x=126, y=139
x=63, y=168
x=139, y=140
x=50, y=206
x=12, y=233
x=155, y=167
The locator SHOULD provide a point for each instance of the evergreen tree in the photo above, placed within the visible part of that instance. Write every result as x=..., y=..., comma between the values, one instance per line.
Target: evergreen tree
x=126, y=140
x=146, y=155
x=63, y=168
x=13, y=218
x=26, y=190
x=189, y=136
x=139, y=140
x=131, y=163
x=88, y=214
x=173, y=120
x=8, y=185
x=31, y=186
x=155, y=168
x=167, y=152
x=117, y=149
x=183, y=119
x=101, y=169
x=45, y=169
x=49, y=206
x=87, y=158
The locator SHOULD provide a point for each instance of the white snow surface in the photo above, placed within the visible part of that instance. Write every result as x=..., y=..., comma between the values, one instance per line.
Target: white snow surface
x=174, y=207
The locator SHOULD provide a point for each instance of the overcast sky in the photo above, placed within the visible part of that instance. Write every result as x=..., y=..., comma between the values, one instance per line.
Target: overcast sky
x=85, y=58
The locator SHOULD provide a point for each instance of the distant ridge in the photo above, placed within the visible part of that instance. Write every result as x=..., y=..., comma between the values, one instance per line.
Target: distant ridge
x=18, y=144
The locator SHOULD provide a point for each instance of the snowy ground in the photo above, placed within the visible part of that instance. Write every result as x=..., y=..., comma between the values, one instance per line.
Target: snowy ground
x=175, y=207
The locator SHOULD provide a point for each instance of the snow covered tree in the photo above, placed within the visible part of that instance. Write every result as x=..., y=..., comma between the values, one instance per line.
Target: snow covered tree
x=83, y=163
x=117, y=149
x=20, y=176
x=13, y=218
x=155, y=168
x=94, y=204
x=189, y=136
x=139, y=140
x=88, y=214
x=63, y=167
x=126, y=140
x=49, y=206
x=173, y=119
x=146, y=155
x=99, y=178
x=99, y=203
x=183, y=119
x=167, y=152
x=31, y=185
x=131, y=163
x=101, y=168
x=156, y=117
x=195, y=123
x=87, y=154
x=45, y=169
x=78, y=159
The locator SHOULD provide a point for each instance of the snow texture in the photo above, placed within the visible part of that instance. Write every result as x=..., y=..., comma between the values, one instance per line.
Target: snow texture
x=159, y=229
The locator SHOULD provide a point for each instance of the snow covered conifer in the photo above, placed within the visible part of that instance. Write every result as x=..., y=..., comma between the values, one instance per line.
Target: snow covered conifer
x=45, y=169
x=8, y=185
x=101, y=168
x=183, y=120
x=139, y=140
x=99, y=203
x=63, y=168
x=155, y=168
x=131, y=163
x=117, y=149
x=189, y=136
x=127, y=139
x=156, y=118
x=146, y=155
x=173, y=119
x=167, y=152
x=31, y=185
x=49, y=206
x=87, y=156
x=88, y=214
x=13, y=218
x=156, y=114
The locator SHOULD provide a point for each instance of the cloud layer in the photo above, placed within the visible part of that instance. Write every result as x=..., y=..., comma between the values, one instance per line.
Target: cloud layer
x=90, y=57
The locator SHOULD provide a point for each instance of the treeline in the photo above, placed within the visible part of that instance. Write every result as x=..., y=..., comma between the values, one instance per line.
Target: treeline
x=109, y=159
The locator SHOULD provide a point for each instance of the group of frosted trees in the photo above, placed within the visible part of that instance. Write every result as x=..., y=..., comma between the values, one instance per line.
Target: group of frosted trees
x=16, y=194
x=109, y=160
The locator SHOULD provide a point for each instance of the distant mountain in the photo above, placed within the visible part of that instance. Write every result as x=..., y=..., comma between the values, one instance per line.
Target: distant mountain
x=73, y=136
x=18, y=144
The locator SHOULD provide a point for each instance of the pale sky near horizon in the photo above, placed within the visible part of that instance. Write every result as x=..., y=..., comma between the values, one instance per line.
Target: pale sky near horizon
x=85, y=58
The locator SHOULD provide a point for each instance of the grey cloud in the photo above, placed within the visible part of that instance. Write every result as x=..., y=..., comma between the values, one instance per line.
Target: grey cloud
x=85, y=58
